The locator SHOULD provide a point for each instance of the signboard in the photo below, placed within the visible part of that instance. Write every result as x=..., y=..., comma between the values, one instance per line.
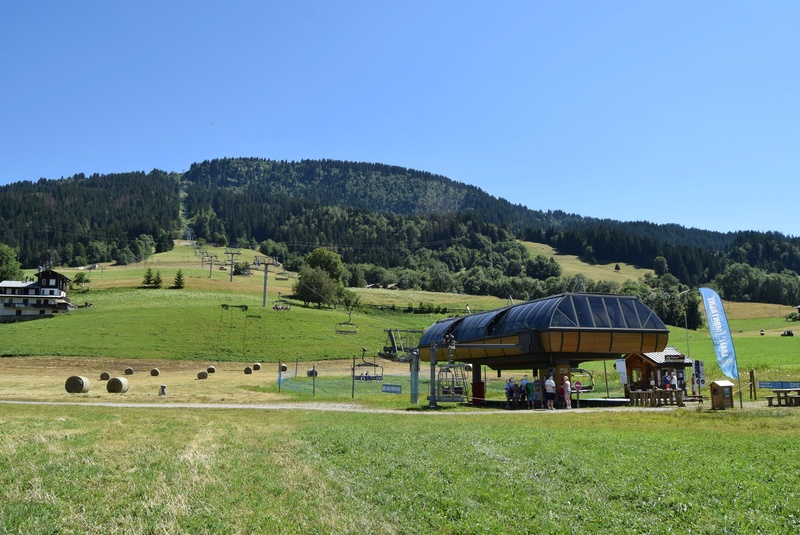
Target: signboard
x=619, y=364
x=700, y=372
x=392, y=389
x=674, y=358
x=578, y=386
x=774, y=385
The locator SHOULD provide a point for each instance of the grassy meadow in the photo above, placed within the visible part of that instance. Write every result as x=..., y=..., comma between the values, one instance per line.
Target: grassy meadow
x=572, y=265
x=68, y=469
x=241, y=453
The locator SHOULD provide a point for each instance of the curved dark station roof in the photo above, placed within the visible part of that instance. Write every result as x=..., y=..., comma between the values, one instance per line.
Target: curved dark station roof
x=572, y=327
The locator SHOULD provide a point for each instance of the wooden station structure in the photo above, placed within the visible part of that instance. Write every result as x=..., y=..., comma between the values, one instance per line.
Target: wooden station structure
x=549, y=336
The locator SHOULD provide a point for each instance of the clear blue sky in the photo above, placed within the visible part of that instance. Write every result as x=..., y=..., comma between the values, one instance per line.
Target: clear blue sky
x=671, y=112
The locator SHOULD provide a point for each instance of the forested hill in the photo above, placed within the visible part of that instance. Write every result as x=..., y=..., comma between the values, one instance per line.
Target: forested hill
x=81, y=219
x=402, y=191
x=435, y=233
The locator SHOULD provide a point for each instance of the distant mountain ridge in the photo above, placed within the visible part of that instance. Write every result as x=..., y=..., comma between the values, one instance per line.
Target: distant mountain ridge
x=403, y=191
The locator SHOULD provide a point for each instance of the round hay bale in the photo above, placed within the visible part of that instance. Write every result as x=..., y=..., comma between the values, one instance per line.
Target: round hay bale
x=202, y=375
x=77, y=385
x=105, y=376
x=211, y=369
x=128, y=371
x=117, y=385
x=154, y=372
x=312, y=373
x=248, y=370
x=284, y=368
x=257, y=366
x=468, y=367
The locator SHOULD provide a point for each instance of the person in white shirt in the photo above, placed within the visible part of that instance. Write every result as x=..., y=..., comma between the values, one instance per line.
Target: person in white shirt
x=567, y=392
x=550, y=392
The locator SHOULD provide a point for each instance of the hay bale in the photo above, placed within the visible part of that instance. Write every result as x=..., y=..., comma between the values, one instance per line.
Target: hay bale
x=248, y=370
x=105, y=376
x=283, y=367
x=257, y=366
x=117, y=385
x=154, y=372
x=128, y=371
x=211, y=369
x=312, y=373
x=202, y=375
x=77, y=385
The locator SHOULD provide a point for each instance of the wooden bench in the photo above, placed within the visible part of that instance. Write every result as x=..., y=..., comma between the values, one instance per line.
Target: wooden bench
x=793, y=400
x=769, y=400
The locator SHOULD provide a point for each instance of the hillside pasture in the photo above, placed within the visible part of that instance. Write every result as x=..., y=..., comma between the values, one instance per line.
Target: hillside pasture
x=241, y=453
x=207, y=321
x=572, y=265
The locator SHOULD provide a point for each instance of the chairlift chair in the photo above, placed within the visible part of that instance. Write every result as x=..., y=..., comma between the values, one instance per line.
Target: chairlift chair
x=451, y=383
x=401, y=345
x=377, y=369
x=346, y=327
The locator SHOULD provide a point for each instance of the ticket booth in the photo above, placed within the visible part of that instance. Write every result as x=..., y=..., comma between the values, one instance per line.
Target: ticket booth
x=722, y=395
x=646, y=371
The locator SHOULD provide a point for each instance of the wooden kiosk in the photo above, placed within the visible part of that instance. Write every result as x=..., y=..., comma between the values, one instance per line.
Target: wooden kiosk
x=722, y=394
x=646, y=372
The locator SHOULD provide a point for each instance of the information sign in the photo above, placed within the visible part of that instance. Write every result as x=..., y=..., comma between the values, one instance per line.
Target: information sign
x=700, y=372
x=392, y=389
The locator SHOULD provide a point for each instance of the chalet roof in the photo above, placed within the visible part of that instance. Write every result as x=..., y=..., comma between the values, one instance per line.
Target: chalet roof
x=18, y=284
x=669, y=356
x=52, y=274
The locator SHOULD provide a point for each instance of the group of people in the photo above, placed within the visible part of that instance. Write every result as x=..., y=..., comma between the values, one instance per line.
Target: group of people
x=529, y=394
x=670, y=380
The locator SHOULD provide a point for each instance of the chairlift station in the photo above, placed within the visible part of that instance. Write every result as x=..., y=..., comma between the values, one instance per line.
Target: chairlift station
x=554, y=334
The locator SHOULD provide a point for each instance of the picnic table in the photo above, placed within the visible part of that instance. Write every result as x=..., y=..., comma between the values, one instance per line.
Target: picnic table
x=784, y=396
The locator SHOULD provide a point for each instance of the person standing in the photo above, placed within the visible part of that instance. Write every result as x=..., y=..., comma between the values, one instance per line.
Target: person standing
x=509, y=388
x=538, y=396
x=550, y=392
x=523, y=391
x=533, y=392
x=567, y=392
x=674, y=381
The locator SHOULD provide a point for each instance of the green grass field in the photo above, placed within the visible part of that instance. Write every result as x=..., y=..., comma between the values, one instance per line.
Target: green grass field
x=66, y=469
x=304, y=457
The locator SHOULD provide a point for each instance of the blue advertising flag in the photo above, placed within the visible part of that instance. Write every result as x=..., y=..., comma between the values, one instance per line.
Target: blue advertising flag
x=720, y=332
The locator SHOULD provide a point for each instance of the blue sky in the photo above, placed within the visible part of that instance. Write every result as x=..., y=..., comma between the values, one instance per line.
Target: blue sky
x=672, y=112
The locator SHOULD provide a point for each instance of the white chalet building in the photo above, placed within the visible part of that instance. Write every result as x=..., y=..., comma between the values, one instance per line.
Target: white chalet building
x=43, y=298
